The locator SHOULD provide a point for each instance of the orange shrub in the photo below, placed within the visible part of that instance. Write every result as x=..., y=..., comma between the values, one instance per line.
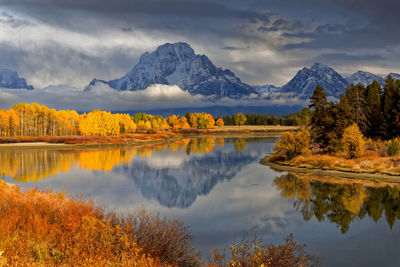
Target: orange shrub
x=45, y=228
x=256, y=253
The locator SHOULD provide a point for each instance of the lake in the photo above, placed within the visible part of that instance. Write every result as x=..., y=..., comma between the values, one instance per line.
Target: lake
x=218, y=188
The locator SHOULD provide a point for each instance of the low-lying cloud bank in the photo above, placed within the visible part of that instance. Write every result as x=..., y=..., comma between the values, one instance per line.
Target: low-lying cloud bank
x=157, y=96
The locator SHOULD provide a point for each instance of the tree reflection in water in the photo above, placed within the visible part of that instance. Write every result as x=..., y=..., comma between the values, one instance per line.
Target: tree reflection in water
x=340, y=200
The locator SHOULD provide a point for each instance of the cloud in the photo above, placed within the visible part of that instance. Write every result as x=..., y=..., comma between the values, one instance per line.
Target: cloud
x=262, y=42
x=157, y=96
x=6, y=98
x=101, y=96
x=8, y=19
x=161, y=92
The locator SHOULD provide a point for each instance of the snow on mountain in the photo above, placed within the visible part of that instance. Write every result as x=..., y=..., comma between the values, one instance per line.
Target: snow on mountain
x=395, y=76
x=304, y=82
x=268, y=88
x=365, y=78
x=177, y=64
x=10, y=79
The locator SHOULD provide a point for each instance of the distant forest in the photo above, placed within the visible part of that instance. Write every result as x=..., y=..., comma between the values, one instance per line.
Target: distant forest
x=292, y=119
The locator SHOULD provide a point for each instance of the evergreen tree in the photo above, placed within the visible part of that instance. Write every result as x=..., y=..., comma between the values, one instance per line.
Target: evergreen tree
x=319, y=123
x=373, y=110
x=389, y=106
x=342, y=117
x=356, y=95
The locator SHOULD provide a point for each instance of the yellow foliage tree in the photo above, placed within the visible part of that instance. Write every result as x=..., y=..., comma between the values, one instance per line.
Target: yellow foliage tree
x=292, y=145
x=220, y=122
x=353, y=141
x=240, y=119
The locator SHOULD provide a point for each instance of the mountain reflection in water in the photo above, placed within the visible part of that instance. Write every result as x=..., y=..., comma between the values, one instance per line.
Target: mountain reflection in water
x=173, y=173
x=340, y=200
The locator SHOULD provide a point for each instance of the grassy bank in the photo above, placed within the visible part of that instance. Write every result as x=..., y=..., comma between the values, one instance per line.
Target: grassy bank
x=137, y=138
x=89, y=140
x=370, y=165
x=318, y=167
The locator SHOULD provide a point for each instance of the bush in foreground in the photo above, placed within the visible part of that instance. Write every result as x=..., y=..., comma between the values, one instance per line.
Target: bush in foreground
x=45, y=228
x=256, y=253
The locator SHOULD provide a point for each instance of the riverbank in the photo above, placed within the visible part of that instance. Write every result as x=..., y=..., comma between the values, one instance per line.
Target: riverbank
x=65, y=142
x=368, y=168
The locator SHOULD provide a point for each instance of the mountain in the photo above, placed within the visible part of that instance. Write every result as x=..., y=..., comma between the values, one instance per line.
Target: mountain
x=10, y=79
x=268, y=88
x=177, y=64
x=395, y=76
x=304, y=82
x=365, y=78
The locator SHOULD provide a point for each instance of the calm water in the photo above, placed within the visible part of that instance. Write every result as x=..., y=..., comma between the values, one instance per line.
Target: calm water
x=218, y=188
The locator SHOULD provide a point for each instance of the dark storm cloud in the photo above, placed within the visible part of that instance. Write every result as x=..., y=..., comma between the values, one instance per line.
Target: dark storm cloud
x=259, y=40
x=377, y=28
x=180, y=8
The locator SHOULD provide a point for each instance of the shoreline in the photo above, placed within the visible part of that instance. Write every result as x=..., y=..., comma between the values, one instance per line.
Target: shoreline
x=228, y=132
x=343, y=173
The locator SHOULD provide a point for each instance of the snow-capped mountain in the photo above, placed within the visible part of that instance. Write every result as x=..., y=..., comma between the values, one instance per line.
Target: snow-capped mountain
x=364, y=77
x=304, y=82
x=10, y=79
x=177, y=64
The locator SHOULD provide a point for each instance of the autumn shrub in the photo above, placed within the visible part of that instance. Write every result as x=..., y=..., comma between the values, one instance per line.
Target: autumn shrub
x=169, y=241
x=256, y=253
x=292, y=145
x=45, y=228
x=393, y=148
x=353, y=141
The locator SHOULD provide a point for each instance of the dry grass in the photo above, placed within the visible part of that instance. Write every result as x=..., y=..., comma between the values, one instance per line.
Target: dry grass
x=370, y=162
x=45, y=228
x=254, y=128
x=77, y=139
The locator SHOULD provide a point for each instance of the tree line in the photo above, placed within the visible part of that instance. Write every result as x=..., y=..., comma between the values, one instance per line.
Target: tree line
x=374, y=109
x=38, y=120
x=292, y=119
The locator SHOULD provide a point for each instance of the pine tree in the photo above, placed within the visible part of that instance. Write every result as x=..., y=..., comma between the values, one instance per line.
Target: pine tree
x=319, y=104
x=389, y=114
x=356, y=95
x=373, y=110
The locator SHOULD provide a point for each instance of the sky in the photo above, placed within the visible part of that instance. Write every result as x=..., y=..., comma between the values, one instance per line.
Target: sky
x=70, y=42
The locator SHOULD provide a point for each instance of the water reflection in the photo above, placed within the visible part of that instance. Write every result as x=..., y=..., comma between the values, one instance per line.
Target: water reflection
x=340, y=201
x=174, y=173
x=176, y=180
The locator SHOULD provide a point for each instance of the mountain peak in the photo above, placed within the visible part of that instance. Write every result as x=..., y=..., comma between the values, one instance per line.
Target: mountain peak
x=177, y=64
x=364, y=78
x=304, y=82
x=10, y=79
